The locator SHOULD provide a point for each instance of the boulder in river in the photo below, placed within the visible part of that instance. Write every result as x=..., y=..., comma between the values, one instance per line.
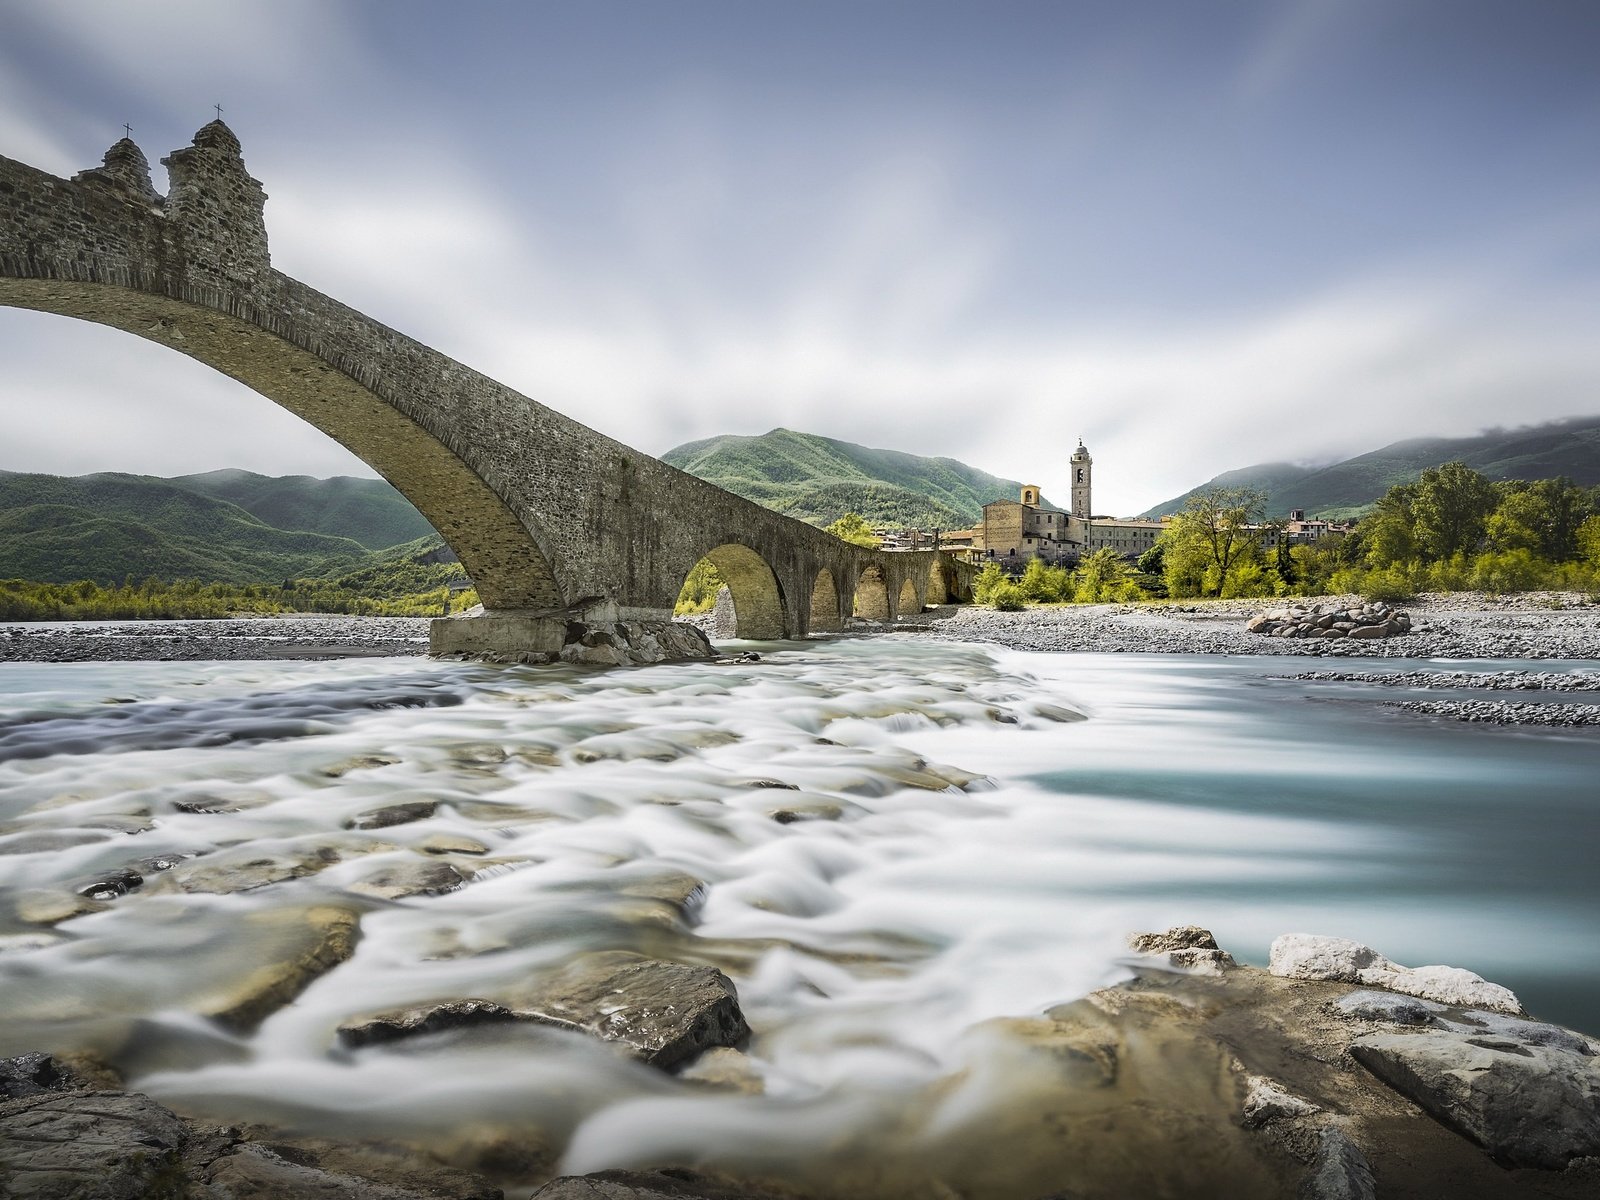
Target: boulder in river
x=1527, y=1104
x=663, y=1013
x=1313, y=956
x=61, y=1141
x=393, y=814
x=295, y=946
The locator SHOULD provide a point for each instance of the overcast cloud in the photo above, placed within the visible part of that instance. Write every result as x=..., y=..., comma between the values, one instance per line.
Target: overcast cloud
x=1198, y=236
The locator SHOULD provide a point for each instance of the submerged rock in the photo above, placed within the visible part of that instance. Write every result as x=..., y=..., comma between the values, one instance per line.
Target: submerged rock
x=300, y=945
x=409, y=877
x=393, y=814
x=247, y=868
x=648, y=1185
x=663, y=1013
x=1529, y=1105
x=421, y=1019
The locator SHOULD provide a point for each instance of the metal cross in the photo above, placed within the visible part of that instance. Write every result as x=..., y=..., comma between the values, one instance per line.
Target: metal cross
x=218, y=107
x=128, y=129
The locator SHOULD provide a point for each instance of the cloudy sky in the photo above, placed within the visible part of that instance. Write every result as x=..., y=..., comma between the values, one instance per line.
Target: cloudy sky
x=1197, y=235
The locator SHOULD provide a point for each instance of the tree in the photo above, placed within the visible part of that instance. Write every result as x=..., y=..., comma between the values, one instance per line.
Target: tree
x=853, y=528
x=1045, y=584
x=1211, y=538
x=1104, y=576
x=1452, y=507
x=1389, y=534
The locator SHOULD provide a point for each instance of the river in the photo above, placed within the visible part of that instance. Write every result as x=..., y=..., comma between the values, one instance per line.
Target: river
x=967, y=833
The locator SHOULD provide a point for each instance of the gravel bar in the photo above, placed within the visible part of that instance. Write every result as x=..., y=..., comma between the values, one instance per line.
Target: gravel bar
x=240, y=638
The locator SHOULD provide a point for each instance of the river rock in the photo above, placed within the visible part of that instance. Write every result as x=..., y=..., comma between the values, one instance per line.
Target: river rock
x=407, y=1170
x=1266, y=1101
x=1185, y=947
x=90, y=1146
x=451, y=843
x=1339, y=1172
x=409, y=877
x=1383, y=1006
x=248, y=868
x=298, y=946
x=108, y=885
x=51, y=908
x=421, y=1019
x=393, y=814
x=86, y=1145
x=1527, y=1105
x=647, y=1185
x=1365, y=622
x=1313, y=956
x=1447, y=985
x=664, y=1012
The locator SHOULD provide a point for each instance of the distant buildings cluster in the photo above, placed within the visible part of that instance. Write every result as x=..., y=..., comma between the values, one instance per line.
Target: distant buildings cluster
x=1013, y=532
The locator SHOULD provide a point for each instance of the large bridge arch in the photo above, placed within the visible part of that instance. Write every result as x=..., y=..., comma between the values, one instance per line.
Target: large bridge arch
x=502, y=553
x=553, y=521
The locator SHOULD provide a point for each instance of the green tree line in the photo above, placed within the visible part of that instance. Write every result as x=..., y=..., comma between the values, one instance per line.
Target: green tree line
x=85, y=600
x=1451, y=530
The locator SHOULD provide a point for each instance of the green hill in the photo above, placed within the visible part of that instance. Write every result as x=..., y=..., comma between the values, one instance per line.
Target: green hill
x=106, y=527
x=1570, y=448
x=819, y=479
x=368, y=511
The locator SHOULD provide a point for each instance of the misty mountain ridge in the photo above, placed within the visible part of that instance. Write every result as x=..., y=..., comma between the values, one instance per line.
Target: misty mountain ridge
x=1347, y=487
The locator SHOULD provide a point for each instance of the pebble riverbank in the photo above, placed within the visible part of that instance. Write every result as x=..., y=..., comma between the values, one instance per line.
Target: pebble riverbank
x=239, y=639
x=1457, y=625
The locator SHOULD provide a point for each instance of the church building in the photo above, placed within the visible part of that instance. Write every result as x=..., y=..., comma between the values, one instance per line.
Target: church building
x=1014, y=531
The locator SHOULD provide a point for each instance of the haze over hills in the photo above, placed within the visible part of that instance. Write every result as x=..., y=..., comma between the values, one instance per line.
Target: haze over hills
x=819, y=479
x=369, y=511
x=1570, y=448
x=107, y=527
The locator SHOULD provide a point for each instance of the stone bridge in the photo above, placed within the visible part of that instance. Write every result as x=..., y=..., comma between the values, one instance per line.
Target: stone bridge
x=557, y=525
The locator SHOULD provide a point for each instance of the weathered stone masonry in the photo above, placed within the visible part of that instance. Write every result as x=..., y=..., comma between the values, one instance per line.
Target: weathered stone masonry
x=553, y=521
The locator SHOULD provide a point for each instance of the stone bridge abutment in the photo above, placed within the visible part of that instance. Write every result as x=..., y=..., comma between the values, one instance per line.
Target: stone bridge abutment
x=554, y=522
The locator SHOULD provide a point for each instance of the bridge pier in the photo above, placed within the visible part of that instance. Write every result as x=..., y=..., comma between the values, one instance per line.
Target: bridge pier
x=594, y=636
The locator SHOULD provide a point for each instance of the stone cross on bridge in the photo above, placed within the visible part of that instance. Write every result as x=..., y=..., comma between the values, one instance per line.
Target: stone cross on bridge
x=557, y=525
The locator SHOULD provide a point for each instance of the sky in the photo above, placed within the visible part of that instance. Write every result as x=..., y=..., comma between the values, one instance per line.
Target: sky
x=1196, y=235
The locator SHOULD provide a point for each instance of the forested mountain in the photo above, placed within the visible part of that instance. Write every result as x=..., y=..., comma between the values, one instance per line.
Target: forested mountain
x=1570, y=448
x=105, y=527
x=368, y=511
x=819, y=479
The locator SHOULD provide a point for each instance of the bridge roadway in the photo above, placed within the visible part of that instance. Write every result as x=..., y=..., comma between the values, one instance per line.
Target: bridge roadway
x=557, y=525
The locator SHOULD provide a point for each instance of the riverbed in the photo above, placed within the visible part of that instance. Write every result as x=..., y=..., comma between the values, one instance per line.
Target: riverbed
x=887, y=844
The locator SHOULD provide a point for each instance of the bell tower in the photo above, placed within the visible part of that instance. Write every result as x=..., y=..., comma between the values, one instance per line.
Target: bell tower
x=1082, y=476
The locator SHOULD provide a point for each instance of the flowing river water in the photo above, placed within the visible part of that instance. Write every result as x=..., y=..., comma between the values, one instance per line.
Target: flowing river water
x=888, y=844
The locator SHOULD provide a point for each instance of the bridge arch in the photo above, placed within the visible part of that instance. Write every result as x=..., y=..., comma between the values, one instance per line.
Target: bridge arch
x=760, y=610
x=505, y=555
x=872, y=595
x=825, y=607
x=909, y=605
